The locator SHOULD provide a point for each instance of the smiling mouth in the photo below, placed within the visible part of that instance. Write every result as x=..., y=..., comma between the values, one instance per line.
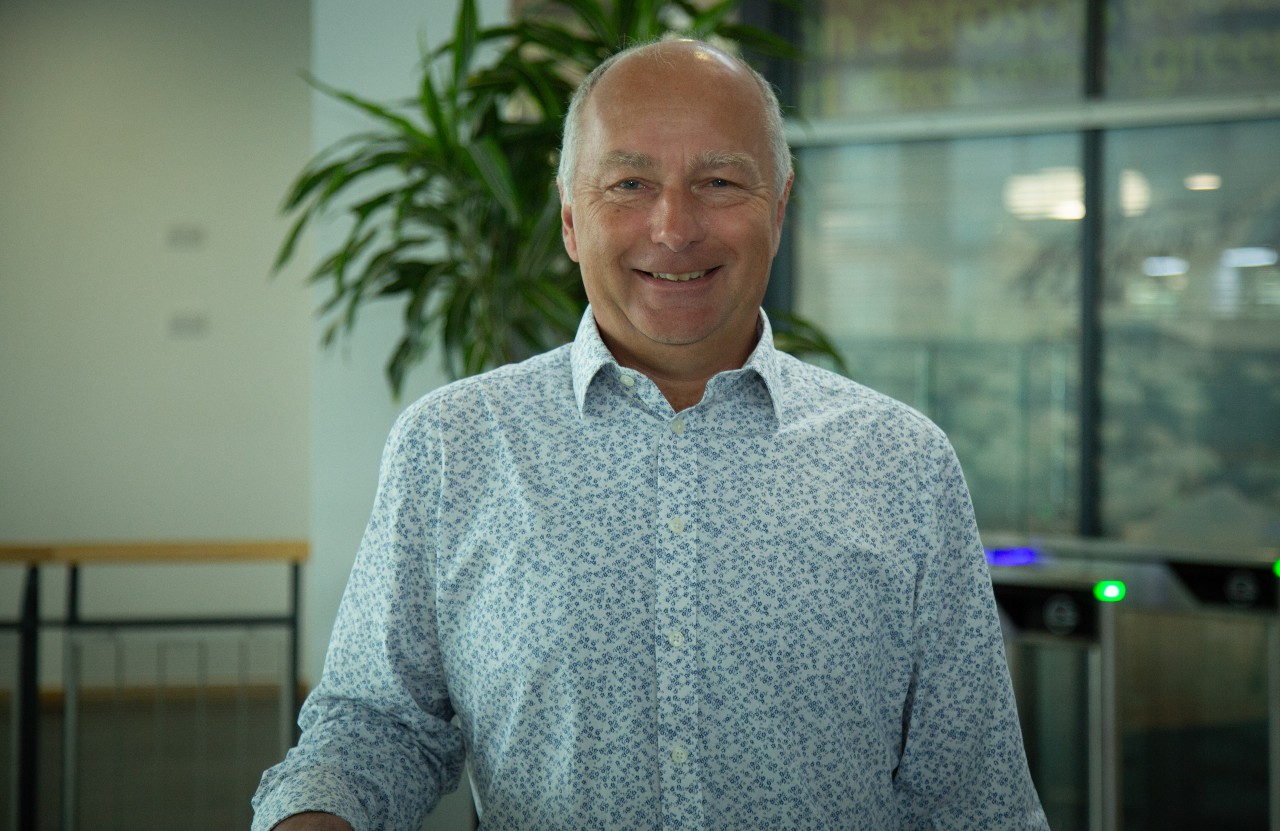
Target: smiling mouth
x=679, y=278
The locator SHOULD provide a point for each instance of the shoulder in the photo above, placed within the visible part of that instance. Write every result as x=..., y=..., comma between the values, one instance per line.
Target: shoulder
x=816, y=398
x=539, y=385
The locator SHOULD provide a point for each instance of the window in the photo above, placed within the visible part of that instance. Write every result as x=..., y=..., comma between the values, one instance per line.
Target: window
x=1191, y=379
x=868, y=56
x=948, y=280
x=1180, y=48
x=947, y=150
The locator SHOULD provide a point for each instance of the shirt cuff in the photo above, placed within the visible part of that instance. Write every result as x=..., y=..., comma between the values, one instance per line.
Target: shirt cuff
x=280, y=797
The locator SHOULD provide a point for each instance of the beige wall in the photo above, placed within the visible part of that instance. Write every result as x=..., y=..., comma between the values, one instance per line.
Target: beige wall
x=154, y=382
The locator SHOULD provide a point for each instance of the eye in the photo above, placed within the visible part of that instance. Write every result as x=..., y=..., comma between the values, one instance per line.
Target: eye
x=629, y=184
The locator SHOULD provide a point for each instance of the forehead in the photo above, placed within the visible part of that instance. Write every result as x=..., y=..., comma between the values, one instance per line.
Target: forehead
x=677, y=70
x=698, y=100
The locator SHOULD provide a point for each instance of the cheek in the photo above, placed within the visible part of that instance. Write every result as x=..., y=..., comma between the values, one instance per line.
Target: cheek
x=605, y=237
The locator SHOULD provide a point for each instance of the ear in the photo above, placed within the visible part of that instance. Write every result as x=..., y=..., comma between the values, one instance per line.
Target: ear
x=566, y=224
x=781, y=212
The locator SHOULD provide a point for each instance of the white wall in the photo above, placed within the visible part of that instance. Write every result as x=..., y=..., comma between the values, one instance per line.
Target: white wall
x=154, y=381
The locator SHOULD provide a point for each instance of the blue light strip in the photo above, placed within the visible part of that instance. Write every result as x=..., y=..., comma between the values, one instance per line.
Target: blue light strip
x=1012, y=556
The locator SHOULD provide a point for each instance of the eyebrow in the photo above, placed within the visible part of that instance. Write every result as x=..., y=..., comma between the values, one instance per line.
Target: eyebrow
x=622, y=159
x=711, y=160
x=718, y=160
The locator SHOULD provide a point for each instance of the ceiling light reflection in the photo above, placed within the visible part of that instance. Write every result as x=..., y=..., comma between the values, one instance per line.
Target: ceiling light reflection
x=1058, y=193
x=1164, y=266
x=1051, y=193
x=1203, y=181
x=1135, y=193
x=1252, y=257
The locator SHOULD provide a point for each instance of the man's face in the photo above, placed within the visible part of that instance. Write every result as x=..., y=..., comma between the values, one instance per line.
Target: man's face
x=675, y=216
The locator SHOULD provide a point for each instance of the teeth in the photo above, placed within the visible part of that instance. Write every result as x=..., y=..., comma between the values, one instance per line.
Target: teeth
x=679, y=278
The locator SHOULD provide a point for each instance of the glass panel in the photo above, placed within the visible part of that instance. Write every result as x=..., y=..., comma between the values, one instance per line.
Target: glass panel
x=947, y=273
x=1192, y=710
x=1191, y=388
x=1167, y=48
x=869, y=56
x=1051, y=681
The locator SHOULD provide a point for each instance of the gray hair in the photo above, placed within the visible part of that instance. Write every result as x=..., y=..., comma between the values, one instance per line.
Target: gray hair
x=774, y=130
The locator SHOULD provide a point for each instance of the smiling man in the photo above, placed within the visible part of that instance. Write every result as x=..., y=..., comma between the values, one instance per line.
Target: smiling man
x=674, y=212
x=665, y=576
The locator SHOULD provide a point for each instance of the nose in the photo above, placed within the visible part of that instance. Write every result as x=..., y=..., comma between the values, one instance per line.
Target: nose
x=677, y=219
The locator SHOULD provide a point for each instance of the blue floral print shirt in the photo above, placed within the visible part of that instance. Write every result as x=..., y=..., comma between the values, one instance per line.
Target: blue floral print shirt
x=770, y=610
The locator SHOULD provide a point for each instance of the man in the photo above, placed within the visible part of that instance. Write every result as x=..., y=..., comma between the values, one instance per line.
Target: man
x=665, y=576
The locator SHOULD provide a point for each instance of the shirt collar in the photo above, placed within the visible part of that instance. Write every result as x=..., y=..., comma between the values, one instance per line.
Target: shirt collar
x=589, y=355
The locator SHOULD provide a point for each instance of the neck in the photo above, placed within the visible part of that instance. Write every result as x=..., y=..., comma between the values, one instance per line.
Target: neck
x=679, y=393
x=681, y=373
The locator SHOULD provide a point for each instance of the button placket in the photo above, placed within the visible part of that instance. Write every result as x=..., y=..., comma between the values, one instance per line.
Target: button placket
x=676, y=612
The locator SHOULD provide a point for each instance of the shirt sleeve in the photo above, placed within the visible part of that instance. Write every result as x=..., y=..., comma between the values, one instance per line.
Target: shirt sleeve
x=963, y=764
x=377, y=747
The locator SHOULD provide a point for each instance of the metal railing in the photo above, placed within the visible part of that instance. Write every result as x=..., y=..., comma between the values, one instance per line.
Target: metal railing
x=33, y=624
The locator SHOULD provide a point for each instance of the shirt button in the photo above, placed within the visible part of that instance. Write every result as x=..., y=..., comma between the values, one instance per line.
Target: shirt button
x=676, y=524
x=628, y=380
x=677, y=426
x=679, y=755
x=676, y=638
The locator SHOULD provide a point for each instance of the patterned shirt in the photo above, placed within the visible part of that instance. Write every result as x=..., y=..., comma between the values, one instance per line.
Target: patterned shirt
x=769, y=610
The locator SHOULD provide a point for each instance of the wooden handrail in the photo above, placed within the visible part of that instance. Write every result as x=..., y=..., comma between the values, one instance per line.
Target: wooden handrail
x=92, y=553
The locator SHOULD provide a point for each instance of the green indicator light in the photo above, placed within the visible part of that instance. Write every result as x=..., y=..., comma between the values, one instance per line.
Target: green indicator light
x=1109, y=591
x=1276, y=568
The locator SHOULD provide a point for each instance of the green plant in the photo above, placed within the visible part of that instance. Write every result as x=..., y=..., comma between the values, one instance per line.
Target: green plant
x=451, y=196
